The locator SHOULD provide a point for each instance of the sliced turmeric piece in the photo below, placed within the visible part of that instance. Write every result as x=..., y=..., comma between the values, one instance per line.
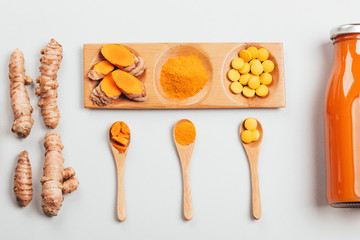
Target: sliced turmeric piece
x=125, y=128
x=106, y=92
x=137, y=68
x=119, y=147
x=92, y=74
x=129, y=85
x=104, y=67
x=118, y=55
x=109, y=87
x=115, y=129
x=122, y=139
x=120, y=134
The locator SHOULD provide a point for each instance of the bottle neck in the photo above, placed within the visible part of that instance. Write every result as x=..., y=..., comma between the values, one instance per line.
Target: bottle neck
x=347, y=45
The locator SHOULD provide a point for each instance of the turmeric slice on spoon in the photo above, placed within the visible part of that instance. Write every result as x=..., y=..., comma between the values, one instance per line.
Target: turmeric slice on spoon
x=115, y=129
x=120, y=133
x=122, y=139
x=125, y=128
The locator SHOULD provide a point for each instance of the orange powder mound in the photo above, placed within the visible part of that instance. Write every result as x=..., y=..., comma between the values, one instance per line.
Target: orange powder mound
x=182, y=77
x=185, y=133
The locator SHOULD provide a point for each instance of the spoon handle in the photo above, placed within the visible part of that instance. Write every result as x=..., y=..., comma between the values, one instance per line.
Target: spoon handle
x=188, y=209
x=256, y=203
x=121, y=210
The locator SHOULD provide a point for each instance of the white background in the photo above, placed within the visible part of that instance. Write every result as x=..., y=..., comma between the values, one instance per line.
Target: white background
x=291, y=165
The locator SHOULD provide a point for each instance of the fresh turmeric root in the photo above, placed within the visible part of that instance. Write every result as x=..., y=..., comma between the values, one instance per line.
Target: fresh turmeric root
x=106, y=92
x=20, y=101
x=23, y=180
x=99, y=68
x=120, y=134
x=70, y=185
x=69, y=173
x=47, y=90
x=137, y=68
x=55, y=181
x=129, y=85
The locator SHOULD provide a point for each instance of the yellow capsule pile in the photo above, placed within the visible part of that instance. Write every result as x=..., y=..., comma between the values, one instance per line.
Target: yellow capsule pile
x=250, y=72
x=251, y=134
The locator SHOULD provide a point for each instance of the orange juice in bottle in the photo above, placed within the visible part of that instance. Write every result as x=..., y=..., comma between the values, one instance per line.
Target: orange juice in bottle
x=342, y=119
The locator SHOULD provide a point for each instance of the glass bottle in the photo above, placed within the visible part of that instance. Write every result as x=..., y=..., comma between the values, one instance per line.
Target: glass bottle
x=342, y=119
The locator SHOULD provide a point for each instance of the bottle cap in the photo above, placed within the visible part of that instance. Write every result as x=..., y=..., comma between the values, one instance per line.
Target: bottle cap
x=344, y=29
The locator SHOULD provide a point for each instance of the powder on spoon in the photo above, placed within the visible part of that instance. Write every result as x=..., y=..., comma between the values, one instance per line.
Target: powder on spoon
x=185, y=133
x=183, y=77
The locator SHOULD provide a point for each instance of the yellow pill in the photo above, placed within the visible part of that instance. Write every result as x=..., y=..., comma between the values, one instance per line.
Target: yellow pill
x=250, y=124
x=256, y=135
x=245, y=55
x=263, y=54
x=233, y=75
x=254, y=61
x=244, y=78
x=247, y=136
x=253, y=51
x=237, y=63
x=248, y=92
x=257, y=68
x=245, y=68
x=262, y=91
x=268, y=66
x=236, y=87
x=265, y=78
x=254, y=82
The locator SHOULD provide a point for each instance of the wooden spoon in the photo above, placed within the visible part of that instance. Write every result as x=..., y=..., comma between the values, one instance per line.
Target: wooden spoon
x=184, y=152
x=120, y=165
x=252, y=151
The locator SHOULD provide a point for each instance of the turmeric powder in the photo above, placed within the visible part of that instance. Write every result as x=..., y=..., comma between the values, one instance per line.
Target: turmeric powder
x=183, y=77
x=185, y=132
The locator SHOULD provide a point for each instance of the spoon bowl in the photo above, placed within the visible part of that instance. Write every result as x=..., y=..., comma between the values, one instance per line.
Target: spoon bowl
x=255, y=144
x=120, y=158
x=252, y=151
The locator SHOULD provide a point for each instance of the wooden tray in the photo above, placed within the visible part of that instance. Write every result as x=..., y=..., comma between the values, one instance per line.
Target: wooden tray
x=216, y=58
